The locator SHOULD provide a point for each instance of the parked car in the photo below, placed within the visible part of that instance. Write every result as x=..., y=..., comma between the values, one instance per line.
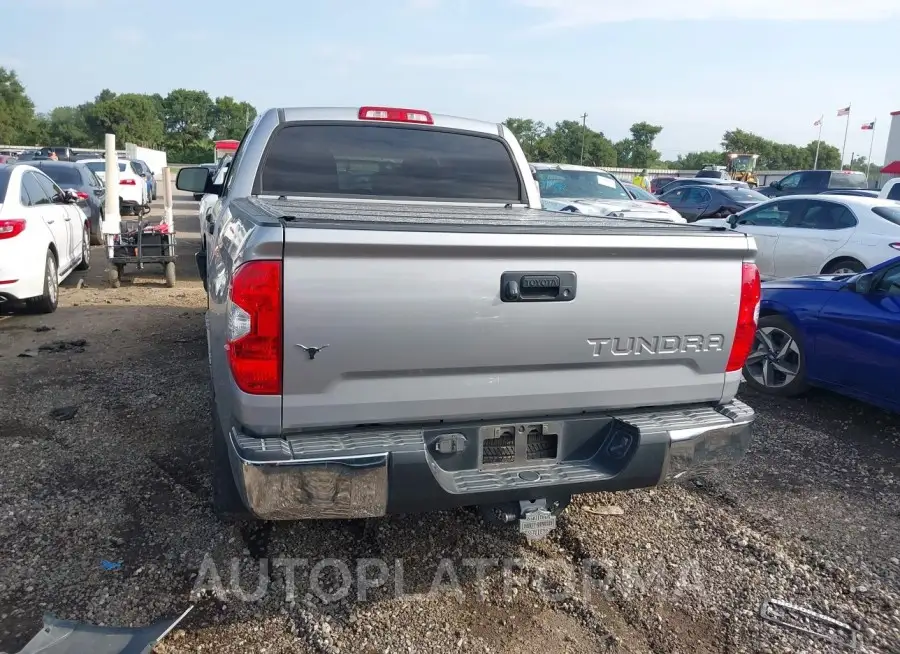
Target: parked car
x=813, y=234
x=212, y=168
x=858, y=192
x=133, y=196
x=695, y=181
x=891, y=189
x=89, y=190
x=44, y=236
x=329, y=288
x=809, y=182
x=28, y=155
x=710, y=200
x=581, y=189
x=658, y=183
x=142, y=169
x=208, y=202
x=833, y=331
x=713, y=173
x=641, y=195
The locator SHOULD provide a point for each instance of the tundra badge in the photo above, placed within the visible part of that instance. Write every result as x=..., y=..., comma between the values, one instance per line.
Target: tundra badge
x=312, y=351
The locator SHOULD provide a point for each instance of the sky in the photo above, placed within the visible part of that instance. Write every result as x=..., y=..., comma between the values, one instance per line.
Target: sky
x=697, y=67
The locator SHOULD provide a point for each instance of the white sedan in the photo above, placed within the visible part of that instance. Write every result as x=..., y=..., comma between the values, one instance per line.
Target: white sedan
x=133, y=193
x=582, y=189
x=818, y=234
x=208, y=202
x=44, y=236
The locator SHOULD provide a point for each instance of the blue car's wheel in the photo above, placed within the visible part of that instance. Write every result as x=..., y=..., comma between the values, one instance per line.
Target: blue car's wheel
x=777, y=364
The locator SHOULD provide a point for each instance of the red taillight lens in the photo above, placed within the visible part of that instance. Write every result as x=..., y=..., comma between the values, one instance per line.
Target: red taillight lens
x=748, y=317
x=396, y=115
x=81, y=195
x=11, y=227
x=128, y=182
x=662, y=204
x=254, y=327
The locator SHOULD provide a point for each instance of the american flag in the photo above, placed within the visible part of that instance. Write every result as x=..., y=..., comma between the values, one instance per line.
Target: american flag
x=818, y=122
x=845, y=111
x=869, y=125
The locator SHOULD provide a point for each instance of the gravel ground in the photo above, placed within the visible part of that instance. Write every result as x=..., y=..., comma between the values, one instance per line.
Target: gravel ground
x=812, y=516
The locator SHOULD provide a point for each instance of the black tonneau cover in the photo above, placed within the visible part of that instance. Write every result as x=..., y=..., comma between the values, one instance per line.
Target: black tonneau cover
x=425, y=215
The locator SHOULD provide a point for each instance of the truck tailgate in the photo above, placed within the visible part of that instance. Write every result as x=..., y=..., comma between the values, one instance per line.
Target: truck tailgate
x=416, y=329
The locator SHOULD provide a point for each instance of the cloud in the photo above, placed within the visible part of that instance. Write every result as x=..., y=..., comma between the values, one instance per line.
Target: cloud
x=457, y=61
x=579, y=13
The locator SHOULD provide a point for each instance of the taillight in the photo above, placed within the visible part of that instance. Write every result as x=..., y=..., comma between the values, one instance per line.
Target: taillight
x=661, y=204
x=748, y=317
x=128, y=182
x=11, y=227
x=396, y=115
x=254, y=327
x=81, y=195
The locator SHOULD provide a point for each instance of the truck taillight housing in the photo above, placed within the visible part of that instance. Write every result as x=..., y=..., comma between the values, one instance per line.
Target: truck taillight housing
x=748, y=317
x=254, y=334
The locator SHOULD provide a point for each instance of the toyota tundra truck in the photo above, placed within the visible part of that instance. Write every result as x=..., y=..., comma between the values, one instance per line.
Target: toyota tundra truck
x=396, y=326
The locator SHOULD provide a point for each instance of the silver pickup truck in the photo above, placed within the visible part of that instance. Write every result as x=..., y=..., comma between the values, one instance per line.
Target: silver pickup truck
x=395, y=326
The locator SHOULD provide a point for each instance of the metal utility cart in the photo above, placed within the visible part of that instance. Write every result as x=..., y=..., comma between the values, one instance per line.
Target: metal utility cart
x=141, y=242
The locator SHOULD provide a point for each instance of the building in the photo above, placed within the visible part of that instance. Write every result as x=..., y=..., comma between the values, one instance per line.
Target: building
x=892, y=152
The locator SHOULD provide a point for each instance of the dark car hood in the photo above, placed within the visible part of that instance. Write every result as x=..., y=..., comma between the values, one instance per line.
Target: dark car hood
x=810, y=282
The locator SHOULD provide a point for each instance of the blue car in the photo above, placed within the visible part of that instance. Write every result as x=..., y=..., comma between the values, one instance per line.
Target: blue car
x=840, y=332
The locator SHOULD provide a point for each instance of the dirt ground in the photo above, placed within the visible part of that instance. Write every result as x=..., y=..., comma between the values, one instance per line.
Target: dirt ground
x=104, y=429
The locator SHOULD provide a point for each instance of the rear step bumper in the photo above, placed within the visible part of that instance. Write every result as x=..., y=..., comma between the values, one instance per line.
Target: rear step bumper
x=368, y=474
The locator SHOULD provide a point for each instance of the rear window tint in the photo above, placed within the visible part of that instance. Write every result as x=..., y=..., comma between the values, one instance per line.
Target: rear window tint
x=894, y=193
x=100, y=166
x=848, y=180
x=4, y=182
x=388, y=161
x=888, y=213
x=62, y=175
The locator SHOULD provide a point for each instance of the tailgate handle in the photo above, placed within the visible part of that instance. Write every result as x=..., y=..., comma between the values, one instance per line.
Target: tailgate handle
x=537, y=286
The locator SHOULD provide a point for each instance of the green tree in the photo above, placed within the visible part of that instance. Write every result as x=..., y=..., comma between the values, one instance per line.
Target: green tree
x=132, y=117
x=528, y=132
x=16, y=110
x=696, y=160
x=231, y=118
x=68, y=126
x=189, y=117
x=637, y=151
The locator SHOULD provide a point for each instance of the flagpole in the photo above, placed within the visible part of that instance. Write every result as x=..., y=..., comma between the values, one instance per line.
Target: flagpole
x=818, y=143
x=846, y=130
x=871, y=145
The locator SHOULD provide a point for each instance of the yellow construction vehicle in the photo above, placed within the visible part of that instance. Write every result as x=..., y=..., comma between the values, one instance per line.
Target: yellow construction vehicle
x=741, y=166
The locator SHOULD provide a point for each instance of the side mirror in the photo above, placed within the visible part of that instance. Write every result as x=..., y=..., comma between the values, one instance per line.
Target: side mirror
x=193, y=179
x=774, y=184
x=733, y=220
x=863, y=283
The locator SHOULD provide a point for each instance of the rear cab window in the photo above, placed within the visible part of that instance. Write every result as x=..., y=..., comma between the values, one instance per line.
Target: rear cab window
x=391, y=161
x=848, y=179
x=100, y=166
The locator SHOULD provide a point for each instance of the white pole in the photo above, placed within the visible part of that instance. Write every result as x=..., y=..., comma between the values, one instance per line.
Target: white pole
x=818, y=143
x=846, y=129
x=112, y=221
x=871, y=145
x=167, y=198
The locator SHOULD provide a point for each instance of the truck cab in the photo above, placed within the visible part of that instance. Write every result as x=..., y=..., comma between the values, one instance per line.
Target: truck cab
x=812, y=182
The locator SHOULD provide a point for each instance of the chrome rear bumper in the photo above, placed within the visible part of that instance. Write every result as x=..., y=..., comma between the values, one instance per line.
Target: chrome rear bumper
x=369, y=474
